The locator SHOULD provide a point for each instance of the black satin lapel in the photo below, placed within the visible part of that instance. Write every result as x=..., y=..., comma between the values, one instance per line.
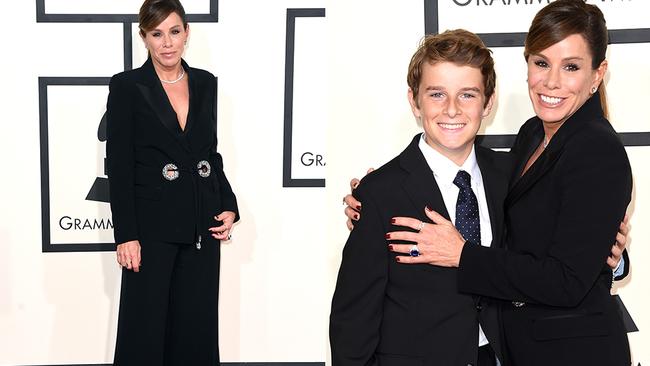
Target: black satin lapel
x=495, y=183
x=540, y=167
x=194, y=97
x=159, y=103
x=586, y=114
x=155, y=95
x=420, y=185
x=160, y=108
x=520, y=164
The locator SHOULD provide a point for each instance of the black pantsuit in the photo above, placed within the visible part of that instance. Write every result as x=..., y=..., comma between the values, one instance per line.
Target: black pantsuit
x=168, y=310
x=161, y=197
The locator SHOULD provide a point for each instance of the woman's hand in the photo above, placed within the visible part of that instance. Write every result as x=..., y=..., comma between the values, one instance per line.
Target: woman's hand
x=621, y=240
x=439, y=244
x=352, y=206
x=128, y=255
x=222, y=232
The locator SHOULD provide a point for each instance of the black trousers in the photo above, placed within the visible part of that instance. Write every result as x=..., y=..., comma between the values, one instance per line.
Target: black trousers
x=486, y=356
x=168, y=311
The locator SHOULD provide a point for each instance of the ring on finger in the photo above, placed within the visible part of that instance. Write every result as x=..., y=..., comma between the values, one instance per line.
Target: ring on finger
x=421, y=226
x=414, y=252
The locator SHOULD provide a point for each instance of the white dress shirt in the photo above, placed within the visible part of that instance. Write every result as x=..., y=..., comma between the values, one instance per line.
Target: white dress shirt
x=444, y=172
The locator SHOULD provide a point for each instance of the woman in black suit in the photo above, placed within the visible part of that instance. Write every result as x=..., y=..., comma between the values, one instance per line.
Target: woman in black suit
x=170, y=199
x=570, y=189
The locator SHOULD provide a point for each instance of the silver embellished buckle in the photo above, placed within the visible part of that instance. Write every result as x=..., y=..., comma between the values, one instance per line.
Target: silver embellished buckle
x=518, y=304
x=204, y=168
x=170, y=172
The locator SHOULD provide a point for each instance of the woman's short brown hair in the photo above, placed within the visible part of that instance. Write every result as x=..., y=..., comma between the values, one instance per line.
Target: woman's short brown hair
x=154, y=12
x=562, y=18
x=459, y=47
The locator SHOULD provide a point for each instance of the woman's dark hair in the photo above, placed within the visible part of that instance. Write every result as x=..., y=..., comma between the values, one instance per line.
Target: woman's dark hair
x=154, y=12
x=562, y=18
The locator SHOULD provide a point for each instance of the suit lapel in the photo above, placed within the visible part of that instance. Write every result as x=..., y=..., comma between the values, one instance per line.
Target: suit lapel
x=495, y=184
x=155, y=95
x=420, y=184
x=194, y=96
x=542, y=165
x=587, y=113
x=527, y=148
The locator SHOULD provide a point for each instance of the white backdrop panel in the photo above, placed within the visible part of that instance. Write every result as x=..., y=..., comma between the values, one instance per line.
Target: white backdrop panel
x=507, y=16
x=114, y=6
x=76, y=158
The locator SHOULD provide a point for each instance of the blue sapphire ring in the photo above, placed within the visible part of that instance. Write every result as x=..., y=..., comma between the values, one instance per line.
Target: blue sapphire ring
x=414, y=251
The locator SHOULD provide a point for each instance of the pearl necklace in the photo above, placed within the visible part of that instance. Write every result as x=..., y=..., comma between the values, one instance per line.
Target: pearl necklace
x=174, y=81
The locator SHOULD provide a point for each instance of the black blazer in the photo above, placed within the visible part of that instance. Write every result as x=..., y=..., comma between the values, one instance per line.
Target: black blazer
x=143, y=137
x=561, y=218
x=386, y=313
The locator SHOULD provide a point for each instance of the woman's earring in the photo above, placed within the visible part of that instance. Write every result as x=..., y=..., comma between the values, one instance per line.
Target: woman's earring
x=594, y=89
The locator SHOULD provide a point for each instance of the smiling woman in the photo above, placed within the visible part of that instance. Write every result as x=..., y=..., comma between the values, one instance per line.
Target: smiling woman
x=170, y=199
x=560, y=79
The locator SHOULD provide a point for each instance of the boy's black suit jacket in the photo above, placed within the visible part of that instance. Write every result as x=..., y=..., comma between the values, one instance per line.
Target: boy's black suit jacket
x=386, y=313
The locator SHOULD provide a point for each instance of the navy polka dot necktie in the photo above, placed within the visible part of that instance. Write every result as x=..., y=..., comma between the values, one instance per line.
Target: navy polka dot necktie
x=467, y=219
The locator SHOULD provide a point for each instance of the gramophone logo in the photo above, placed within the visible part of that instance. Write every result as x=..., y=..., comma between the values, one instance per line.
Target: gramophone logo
x=99, y=190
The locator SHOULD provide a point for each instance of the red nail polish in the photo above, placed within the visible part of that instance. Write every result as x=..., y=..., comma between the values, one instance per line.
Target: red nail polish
x=356, y=217
x=390, y=247
x=387, y=236
x=358, y=207
x=397, y=259
x=429, y=208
